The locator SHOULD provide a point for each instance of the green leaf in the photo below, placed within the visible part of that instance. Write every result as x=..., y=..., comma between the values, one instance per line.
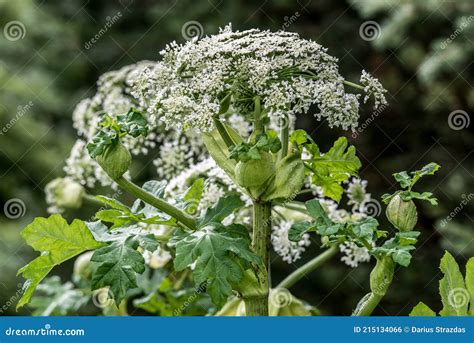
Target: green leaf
x=57, y=241
x=429, y=169
x=402, y=257
x=133, y=123
x=403, y=179
x=118, y=264
x=470, y=283
x=366, y=228
x=454, y=296
x=101, y=141
x=428, y=196
x=339, y=159
x=266, y=142
x=297, y=230
x=193, y=196
x=224, y=207
x=422, y=310
x=219, y=258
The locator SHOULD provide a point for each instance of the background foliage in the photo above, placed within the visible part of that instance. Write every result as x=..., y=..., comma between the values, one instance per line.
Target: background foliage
x=421, y=51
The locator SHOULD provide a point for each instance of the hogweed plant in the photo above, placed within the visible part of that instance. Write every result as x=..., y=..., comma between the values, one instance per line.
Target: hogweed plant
x=216, y=118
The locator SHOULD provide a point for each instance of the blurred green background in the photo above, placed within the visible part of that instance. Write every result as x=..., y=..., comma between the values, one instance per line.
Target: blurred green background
x=421, y=50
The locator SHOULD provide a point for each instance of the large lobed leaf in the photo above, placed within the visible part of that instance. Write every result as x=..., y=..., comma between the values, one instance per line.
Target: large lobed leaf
x=218, y=254
x=57, y=241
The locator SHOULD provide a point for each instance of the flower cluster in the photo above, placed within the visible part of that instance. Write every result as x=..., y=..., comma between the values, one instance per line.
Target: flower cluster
x=286, y=73
x=178, y=150
x=288, y=250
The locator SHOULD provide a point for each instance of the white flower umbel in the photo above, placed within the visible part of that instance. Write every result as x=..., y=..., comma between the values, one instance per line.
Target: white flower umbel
x=357, y=195
x=288, y=250
x=287, y=73
x=353, y=254
x=63, y=193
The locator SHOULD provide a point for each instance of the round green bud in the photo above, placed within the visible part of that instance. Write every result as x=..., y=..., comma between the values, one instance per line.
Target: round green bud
x=82, y=266
x=382, y=275
x=115, y=160
x=402, y=214
x=253, y=173
x=64, y=193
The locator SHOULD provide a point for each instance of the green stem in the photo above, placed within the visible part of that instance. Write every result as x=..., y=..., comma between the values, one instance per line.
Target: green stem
x=158, y=203
x=307, y=268
x=223, y=132
x=352, y=84
x=258, y=129
x=92, y=200
x=257, y=305
x=367, y=304
x=284, y=137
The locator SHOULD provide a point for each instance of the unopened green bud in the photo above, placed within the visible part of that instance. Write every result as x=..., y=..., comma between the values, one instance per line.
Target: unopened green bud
x=253, y=174
x=402, y=214
x=115, y=160
x=82, y=266
x=382, y=275
x=64, y=193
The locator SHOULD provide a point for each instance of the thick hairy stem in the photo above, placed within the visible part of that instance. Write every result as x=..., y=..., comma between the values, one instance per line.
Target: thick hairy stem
x=257, y=305
x=92, y=200
x=223, y=132
x=307, y=268
x=284, y=137
x=158, y=203
x=367, y=304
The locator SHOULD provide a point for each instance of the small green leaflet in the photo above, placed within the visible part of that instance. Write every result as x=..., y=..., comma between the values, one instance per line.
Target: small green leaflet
x=224, y=207
x=219, y=255
x=457, y=293
x=454, y=295
x=58, y=242
x=399, y=247
x=132, y=123
x=192, y=197
x=331, y=168
x=120, y=214
x=408, y=179
x=118, y=264
x=422, y=310
x=268, y=142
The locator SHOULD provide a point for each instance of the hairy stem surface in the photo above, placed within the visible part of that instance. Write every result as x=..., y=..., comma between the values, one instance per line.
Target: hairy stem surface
x=257, y=305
